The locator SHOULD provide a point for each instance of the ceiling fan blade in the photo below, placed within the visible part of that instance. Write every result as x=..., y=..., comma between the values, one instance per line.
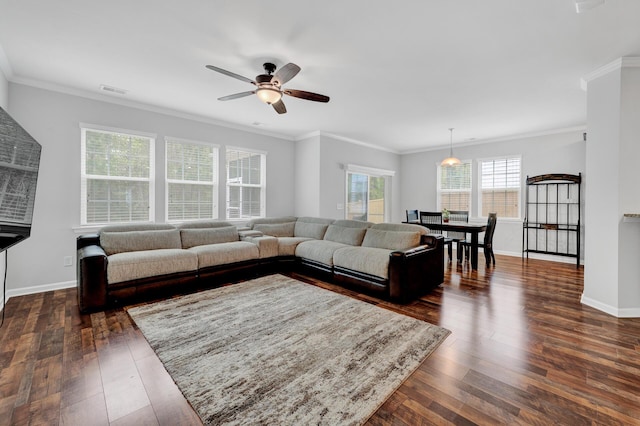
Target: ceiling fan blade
x=310, y=96
x=279, y=107
x=285, y=74
x=231, y=74
x=236, y=95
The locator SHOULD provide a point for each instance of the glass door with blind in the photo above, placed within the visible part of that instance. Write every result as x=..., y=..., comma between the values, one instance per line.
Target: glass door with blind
x=365, y=197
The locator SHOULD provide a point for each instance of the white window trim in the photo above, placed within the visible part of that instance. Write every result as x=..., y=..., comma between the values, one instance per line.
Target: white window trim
x=479, y=188
x=83, y=176
x=371, y=171
x=215, y=182
x=262, y=185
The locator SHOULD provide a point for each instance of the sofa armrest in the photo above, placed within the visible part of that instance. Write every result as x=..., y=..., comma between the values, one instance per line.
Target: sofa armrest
x=249, y=233
x=267, y=245
x=414, y=271
x=87, y=240
x=92, y=277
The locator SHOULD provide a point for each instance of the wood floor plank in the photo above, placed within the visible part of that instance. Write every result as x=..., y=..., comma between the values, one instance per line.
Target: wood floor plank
x=523, y=350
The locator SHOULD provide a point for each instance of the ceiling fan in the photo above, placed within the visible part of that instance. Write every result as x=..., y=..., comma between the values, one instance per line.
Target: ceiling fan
x=269, y=87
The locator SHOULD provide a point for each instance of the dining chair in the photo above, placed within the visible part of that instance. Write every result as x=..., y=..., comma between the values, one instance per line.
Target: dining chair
x=427, y=218
x=458, y=237
x=412, y=216
x=487, y=244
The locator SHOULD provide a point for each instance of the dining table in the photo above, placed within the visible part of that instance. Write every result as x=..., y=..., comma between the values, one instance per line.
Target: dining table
x=470, y=228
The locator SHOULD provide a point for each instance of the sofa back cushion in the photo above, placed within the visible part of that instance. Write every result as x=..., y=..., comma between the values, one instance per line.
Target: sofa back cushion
x=311, y=227
x=204, y=224
x=402, y=227
x=345, y=235
x=269, y=220
x=126, y=241
x=346, y=223
x=192, y=237
x=391, y=240
x=276, y=229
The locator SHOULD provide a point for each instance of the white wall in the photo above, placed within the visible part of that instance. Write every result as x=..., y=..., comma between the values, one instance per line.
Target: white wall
x=601, y=266
x=307, y=172
x=53, y=119
x=612, y=270
x=629, y=233
x=555, y=153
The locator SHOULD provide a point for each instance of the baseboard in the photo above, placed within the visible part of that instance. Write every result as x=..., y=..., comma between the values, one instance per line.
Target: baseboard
x=538, y=256
x=39, y=289
x=611, y=310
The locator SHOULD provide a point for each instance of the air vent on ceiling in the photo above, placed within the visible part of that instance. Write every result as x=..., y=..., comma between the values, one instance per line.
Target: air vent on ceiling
x=112, y=89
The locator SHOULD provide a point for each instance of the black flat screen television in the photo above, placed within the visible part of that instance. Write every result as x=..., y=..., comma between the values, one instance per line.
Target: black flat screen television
x=19, y=164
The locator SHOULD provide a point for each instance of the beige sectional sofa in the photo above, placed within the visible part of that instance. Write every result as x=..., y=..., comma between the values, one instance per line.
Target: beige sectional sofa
x=396, y=261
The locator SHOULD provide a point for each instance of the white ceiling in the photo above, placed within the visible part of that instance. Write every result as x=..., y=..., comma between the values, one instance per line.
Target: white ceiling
x=399, y=74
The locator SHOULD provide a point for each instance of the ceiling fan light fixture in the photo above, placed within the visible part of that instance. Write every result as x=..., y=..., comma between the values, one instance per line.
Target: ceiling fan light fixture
x=269, y=95
x=450, y=160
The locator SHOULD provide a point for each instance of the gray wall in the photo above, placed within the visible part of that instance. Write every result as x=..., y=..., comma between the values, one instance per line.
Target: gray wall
x=307, y=171
x=321, y=174
x=4, y=91
x=4, y=103
x=557, y=153
x=53, y=119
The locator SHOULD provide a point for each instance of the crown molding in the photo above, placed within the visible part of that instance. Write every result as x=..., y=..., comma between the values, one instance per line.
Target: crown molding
x=624, y=62
x=518, y=136
x=345, y=139
x=143, y=106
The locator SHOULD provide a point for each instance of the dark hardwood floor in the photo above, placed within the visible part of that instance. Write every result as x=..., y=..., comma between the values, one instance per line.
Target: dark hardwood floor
x=523, y=350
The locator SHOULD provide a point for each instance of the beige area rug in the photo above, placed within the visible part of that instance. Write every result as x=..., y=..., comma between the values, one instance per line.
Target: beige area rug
x=278, y=351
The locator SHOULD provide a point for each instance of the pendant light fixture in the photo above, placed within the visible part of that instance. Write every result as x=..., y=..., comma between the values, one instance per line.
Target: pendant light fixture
x=450, y=160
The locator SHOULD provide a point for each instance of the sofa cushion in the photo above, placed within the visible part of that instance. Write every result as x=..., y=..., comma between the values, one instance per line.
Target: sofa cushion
x=391, y=240
x=283, y=219
x=318, y=250
x=287, y=245
x=310, y=230
x=128, y=241
x=204, y=236
x=192, y=224
x=225, y=253
x=369, y=260
x=133, y=265
x=276, y=229
x=348, y=223
x=340, y=234
x=402, y=227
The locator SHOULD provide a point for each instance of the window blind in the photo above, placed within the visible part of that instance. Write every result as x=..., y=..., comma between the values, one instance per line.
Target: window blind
x=191, y=173
x=116, y=177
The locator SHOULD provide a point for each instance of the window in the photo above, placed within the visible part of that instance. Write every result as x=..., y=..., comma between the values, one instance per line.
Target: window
x=117, y=176
x=454, y=187
x=367, y=190
x=500, y=187
x=191, y=180
x=246, y=176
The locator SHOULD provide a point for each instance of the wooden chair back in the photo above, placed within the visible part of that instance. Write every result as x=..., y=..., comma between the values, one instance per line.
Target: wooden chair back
x=431, y=217
x=412, y=216
x=491, y=227
x=458, y=216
